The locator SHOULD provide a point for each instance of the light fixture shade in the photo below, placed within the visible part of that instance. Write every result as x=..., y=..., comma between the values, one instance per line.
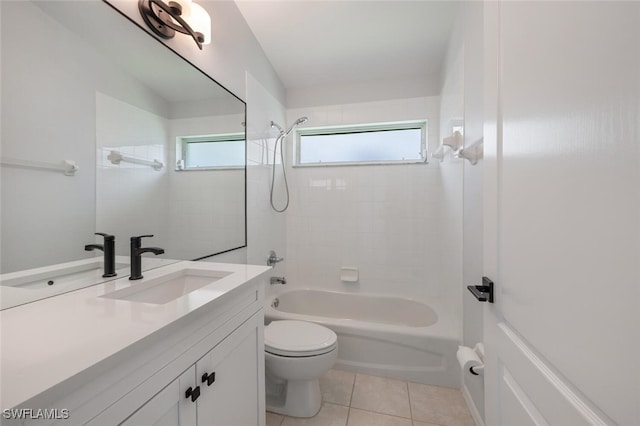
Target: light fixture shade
x=200, y=22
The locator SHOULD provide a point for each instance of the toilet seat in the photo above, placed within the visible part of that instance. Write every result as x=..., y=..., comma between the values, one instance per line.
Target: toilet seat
x=298, y=339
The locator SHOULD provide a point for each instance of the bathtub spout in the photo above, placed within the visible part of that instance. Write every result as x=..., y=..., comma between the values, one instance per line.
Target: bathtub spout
x=278, y=280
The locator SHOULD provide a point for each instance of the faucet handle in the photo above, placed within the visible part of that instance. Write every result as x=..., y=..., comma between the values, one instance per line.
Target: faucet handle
x=138, y=239
x=273, y=258
x=107, y=237
x=136, y=242
x=142, y=236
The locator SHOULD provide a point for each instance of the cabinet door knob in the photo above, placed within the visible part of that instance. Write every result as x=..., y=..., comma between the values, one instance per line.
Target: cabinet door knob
x=209, y=378
x=193, y=393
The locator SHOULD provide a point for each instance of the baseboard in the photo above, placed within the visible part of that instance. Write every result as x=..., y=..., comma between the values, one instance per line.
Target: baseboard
x=475, y=414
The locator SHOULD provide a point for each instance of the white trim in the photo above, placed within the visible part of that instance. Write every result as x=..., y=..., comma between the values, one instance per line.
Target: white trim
x=575, y=401
x=475, y=414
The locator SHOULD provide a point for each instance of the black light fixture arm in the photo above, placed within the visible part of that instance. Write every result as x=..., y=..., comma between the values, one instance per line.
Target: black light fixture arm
x=160, y=20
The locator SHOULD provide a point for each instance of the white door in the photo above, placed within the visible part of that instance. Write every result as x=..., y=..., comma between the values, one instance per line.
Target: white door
x=170, y=406
x=562, y=213
x=235, y=395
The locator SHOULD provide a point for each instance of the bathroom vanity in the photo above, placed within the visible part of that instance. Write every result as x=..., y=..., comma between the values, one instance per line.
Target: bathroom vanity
x=183, y=345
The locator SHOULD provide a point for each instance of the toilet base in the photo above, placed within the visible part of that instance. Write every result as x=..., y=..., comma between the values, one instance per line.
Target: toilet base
x=299, y=398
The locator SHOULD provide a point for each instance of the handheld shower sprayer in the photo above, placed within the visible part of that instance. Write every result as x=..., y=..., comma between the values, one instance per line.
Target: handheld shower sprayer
x=281, y=138
x=296, y=123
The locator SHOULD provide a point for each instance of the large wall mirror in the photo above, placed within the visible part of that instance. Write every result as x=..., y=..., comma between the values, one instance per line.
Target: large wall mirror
x=158, y=145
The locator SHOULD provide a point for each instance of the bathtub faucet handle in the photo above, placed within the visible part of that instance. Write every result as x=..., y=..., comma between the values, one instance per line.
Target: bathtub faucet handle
x=273, y=259
x=278, y=280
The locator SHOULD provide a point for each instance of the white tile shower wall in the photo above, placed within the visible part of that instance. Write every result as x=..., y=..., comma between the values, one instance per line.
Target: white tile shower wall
x=451, y=169
x=266, y=228
x=131, y=199
x=386, y=220
x=206, y=207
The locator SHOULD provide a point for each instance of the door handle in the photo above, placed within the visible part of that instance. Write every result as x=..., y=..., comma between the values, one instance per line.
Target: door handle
x=484, y=292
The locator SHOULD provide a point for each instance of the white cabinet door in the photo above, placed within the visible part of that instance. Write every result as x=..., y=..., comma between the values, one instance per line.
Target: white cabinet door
x=236, y=397
x=170, y=407
x=562, y=212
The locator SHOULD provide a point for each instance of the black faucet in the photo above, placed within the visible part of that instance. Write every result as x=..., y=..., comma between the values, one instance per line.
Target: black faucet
x=109, y=249
x=136, y=255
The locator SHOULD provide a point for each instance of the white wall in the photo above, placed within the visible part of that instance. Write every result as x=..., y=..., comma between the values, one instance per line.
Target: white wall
x=462, y=98
x=365, y=91
x=233, y=49
x=386, y=220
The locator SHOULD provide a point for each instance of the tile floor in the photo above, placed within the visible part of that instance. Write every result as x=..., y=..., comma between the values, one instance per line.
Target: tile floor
x=354, y=399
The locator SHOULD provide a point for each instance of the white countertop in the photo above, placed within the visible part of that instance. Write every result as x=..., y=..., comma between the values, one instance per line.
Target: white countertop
x=48, y=341
x=11, y=296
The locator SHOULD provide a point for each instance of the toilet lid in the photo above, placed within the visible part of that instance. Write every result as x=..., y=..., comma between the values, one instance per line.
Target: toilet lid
x=298, y=338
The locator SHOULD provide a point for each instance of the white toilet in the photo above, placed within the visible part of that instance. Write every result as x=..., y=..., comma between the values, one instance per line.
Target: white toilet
x=297, y=353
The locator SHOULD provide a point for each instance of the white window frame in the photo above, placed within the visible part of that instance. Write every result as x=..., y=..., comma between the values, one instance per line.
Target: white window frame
x=183, y=141
x=362, y=128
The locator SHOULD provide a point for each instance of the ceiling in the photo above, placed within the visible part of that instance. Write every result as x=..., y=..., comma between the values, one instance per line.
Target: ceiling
x=341, y=42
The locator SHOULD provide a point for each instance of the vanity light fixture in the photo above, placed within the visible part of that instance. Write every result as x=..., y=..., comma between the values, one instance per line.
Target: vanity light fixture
x=165, y=18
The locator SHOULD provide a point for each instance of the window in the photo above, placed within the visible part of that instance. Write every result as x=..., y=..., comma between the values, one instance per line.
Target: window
x=404, y=142
x=211, y=152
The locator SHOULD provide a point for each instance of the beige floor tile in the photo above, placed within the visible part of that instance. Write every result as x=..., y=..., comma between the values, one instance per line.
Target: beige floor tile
x=442, y=406
x=337, y=386
x=369, y=418
x=329, y=415
x=417, y=423
x=274, y=419
x=386, y=396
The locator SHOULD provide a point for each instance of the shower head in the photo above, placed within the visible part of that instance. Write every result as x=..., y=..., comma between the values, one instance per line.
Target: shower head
x=296, y=123
x=277, y=126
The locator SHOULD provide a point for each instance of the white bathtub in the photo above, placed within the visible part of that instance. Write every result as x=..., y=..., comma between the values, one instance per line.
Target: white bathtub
x=379, y=335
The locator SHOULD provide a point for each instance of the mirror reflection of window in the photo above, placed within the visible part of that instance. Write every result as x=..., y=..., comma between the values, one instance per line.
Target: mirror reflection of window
x=211, y=152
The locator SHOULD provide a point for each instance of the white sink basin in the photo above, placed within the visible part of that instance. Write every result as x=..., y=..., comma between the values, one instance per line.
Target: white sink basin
x=60, y=277
x=168, y=287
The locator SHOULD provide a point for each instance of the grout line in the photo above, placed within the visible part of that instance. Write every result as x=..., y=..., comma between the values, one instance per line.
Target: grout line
x=353, y=389
x=382, y=414
x=409, y=396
